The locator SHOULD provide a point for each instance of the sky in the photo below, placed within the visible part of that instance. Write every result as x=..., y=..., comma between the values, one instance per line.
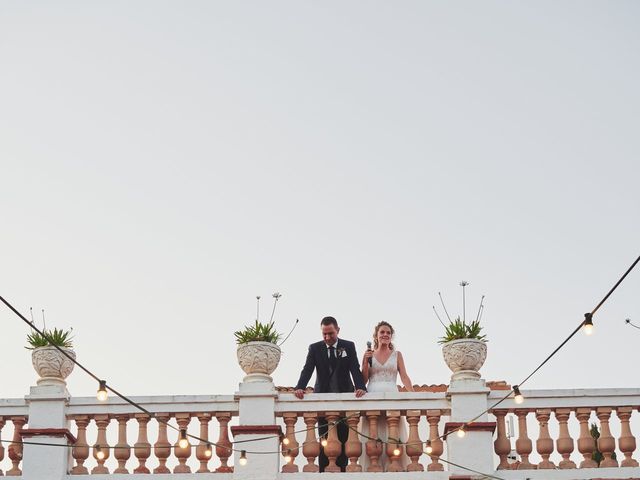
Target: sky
x=162, y=164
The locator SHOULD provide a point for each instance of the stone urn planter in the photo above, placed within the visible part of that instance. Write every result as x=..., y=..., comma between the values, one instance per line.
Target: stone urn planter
x=258, y=360
x=465, y=357
x=51, y=365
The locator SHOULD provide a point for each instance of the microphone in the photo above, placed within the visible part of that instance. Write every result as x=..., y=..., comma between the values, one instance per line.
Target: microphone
x=369, y=348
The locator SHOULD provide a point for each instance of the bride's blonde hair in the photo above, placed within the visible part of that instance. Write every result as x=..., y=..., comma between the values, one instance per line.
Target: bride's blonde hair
x=375, y=334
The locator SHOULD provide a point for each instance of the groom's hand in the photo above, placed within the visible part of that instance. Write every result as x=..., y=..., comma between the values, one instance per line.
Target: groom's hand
x=299, y=393
x=360, y=393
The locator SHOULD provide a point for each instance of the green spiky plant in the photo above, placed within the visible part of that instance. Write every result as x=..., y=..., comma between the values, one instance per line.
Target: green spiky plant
x=56, y=337
x=460, y=329
x=258, y=332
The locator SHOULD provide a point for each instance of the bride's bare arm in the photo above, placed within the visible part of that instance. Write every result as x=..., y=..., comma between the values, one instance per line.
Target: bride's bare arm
x=365, y=365
x=406, y=381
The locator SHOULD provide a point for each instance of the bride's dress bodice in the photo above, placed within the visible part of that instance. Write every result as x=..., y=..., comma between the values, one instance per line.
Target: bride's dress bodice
x=383, y=376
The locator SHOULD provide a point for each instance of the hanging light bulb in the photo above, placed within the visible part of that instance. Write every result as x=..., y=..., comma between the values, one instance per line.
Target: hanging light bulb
x=287, y=457
x=428, y=449
x=396, y=451
x=588, y=324
x=243, y=458
x=184, y=441
x=285, y=441
x=102, y=391
x=323, y=442
x=99, y=453
x=461, y=433
x=518, y=398
x=208, y=451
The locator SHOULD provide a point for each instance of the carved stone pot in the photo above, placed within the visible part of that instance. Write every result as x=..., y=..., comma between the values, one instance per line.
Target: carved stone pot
x=258, y=360
x=52, y=366
x=465, y=357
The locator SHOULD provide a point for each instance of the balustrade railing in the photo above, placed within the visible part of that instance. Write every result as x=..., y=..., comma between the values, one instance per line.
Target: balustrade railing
x=13, y=417
x=551, y=432
x=560, y=422
x=121, y=438
x=423, y=414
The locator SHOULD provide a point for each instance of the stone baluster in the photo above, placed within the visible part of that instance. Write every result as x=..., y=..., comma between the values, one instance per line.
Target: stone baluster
x=433, y=417
x=182, y=454
x=564, y=444
x=524, y=446
x=395, y=442
x=353, y=447
x=311, y=446
x=414, y=444
x=142, y=447
x=204, y=446
x=334, y=447
x=14, y=450
x=373, y=446
x=502, y=445
x=586, y=445
x=606, y=442
x=80, y=450
x=101, y=447
x=544, y=443
x=162, y=447
x=291, y=449
x=626, y=442
x=1, y=447
x=122, y=451
x=223, y=449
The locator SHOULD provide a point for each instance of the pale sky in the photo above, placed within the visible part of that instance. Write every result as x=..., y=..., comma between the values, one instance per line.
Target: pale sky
x=164, y=163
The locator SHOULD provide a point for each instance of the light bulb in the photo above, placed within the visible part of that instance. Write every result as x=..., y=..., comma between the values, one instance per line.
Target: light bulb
x=518, y=398
x=461, y=433
x=208, y=451
x=396, y=452
x=99, y=453
x=324, y=442
x=428, y=449
x=285, y=441
x=287, y=457
x=243, y=458
x=184, y=441
x=102, y=391
x=588, y=324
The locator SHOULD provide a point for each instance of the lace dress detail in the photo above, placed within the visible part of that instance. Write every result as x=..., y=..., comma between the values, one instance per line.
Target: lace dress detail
x=383, y=378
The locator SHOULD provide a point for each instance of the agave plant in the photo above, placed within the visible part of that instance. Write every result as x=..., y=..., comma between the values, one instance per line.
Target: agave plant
x=459, y=329
x=258, y=332
x=56, y=337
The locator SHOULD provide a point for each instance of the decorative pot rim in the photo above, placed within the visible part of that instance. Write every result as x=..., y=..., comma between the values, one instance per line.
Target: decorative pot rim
x=47, y=347
x=258, y=342
x=463, y=340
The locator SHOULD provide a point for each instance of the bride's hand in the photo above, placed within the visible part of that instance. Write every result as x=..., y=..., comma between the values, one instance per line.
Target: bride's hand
x=367, y=355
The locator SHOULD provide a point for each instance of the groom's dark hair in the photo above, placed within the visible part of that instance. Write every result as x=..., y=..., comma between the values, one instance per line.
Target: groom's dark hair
x=329, y=321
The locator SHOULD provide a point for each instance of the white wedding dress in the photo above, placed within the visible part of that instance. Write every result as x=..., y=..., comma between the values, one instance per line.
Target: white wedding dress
x=383, y=378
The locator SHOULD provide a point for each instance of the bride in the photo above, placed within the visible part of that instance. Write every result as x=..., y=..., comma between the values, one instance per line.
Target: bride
x=380, y=368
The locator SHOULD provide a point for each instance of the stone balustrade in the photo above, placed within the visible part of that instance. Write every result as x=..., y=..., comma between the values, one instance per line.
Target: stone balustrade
x=550, y=438
x=13, y=417
x=554, y=432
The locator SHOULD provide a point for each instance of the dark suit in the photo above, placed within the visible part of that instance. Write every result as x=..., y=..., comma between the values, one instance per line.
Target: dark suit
x=328, y=380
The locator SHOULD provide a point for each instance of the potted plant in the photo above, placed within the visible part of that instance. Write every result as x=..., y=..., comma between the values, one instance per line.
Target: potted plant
x=464, y=348
x=258, y=350
x=52, y=366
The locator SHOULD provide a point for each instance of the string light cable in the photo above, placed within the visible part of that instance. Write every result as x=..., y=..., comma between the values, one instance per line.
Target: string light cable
x=586, y=322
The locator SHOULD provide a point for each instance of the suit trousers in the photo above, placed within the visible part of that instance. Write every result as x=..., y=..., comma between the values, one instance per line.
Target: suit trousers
x=343, y=435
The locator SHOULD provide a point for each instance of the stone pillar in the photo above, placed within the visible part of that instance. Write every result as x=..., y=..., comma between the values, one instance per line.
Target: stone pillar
x=257, y=419
x=47, y=424
x=469, y=397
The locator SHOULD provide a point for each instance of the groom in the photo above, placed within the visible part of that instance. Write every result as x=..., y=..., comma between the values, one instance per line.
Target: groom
x=336, y=363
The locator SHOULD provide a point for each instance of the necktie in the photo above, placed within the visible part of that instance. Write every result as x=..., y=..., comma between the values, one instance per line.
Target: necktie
x=333, y=360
